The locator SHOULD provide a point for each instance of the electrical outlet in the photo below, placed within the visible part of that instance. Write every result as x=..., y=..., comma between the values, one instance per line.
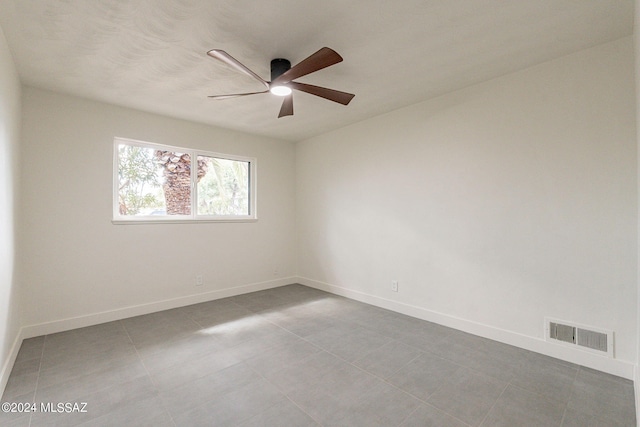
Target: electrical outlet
x=199, y=280
x=394, y=285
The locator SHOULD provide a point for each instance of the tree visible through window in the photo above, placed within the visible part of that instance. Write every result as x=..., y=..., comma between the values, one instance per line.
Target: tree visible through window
x=222, y=189
x=156, y=181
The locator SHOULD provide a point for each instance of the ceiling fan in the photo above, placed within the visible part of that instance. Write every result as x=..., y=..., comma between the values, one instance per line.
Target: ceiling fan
x=283, y=74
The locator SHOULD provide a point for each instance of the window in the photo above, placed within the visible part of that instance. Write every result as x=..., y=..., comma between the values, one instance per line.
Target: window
x=156, y=183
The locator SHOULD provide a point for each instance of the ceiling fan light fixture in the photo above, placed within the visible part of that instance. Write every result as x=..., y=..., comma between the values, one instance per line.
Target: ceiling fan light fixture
x=283, y=75
x=280, y=90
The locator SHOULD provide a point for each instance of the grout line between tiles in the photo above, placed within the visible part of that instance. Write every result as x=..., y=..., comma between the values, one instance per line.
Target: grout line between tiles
x=384, y=380
x=494, y=404
x=279, y=390
x=35, y=391
x=408, y=416
x=298, y=406
x=566, y=407
x=146, y=370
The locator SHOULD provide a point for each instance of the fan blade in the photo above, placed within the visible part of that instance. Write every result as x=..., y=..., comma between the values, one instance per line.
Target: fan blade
x=223, y=56
x=287, y=106
x=319, y=60
x=332, y=95
x=235, y=95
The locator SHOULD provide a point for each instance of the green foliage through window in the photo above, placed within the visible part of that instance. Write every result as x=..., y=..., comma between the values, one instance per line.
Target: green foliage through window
x=224, y=189
x=155, y=181
x=140, y=181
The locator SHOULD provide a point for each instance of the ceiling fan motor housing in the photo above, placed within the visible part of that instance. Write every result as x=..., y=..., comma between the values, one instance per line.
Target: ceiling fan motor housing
x=278, y=67
x=282, y=86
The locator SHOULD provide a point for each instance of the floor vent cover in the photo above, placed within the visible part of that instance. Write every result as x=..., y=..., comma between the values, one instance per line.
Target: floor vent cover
x=584, y=337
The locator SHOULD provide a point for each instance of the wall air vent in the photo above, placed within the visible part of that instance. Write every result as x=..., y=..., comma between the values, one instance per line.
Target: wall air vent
x=592, y=339
x=561, y=332
x=587, y=338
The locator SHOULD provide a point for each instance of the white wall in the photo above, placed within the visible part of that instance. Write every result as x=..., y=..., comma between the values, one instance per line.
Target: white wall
x=77, y=263
x=493, y=206
x=9, y=141
x=636, y=39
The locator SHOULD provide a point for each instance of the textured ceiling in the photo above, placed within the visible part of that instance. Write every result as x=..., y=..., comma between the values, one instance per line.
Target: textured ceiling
x=151, y=54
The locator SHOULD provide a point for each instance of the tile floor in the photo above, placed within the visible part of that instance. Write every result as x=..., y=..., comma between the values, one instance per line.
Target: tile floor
x=296, y=356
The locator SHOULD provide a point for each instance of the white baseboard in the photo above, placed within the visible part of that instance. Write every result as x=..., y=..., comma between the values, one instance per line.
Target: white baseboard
x=11, y=359
x=137, y=310
x=605, y=364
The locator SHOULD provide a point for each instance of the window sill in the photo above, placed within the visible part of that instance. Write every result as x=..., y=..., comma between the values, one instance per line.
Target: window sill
x=177, y=221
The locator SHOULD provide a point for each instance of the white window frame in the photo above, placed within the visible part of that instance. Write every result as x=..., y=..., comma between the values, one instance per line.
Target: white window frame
x=194, y=217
